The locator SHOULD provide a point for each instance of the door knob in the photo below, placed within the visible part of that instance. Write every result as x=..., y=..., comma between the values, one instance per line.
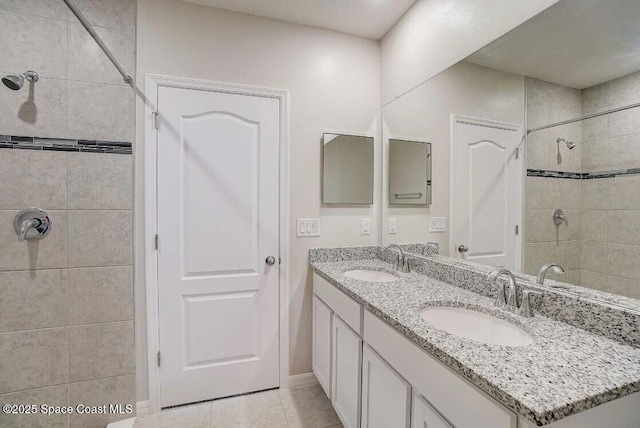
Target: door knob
x=462, y=249
x=270, y=260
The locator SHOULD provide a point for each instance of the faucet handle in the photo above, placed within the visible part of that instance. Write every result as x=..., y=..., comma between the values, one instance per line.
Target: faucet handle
x=525, y=307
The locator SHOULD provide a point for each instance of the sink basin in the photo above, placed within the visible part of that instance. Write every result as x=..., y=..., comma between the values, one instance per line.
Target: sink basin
x=476, y=325
x=371, y=275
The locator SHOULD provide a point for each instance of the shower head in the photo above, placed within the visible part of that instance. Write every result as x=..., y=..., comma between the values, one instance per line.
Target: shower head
x=15, y=82
x=570, y=144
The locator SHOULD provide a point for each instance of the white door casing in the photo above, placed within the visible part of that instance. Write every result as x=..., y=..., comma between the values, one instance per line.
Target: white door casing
x=486, y=191
x=218, y=201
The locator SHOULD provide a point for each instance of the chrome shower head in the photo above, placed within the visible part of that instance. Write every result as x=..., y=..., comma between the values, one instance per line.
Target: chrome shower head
x=15, y=82
x=570, y=144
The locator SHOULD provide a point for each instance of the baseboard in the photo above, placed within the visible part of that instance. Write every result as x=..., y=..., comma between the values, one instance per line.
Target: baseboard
x=142, y=408
x=302, y=380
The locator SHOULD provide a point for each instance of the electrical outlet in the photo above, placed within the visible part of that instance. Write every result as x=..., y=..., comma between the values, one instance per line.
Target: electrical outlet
x=365, y=227
x=307, y=227
x=437, y=224
x=393, y=225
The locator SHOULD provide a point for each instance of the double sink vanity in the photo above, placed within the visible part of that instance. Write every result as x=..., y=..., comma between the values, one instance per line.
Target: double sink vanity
x=430, y=341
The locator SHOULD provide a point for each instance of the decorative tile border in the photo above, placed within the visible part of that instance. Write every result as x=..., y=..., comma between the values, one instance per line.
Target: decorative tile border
x=64, y=145
x=581, y=175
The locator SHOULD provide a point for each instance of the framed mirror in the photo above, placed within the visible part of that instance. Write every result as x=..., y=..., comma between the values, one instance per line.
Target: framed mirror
x=409, y=172
x=347, y=169
x=570, y=90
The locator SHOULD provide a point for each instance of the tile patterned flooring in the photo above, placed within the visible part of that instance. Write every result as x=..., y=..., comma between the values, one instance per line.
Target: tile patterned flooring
x=298, y=408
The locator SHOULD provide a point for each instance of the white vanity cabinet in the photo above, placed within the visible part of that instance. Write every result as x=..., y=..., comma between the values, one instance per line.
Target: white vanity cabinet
x=423, y=415
x=321, y=348
x=346, y=367
x=386, y=397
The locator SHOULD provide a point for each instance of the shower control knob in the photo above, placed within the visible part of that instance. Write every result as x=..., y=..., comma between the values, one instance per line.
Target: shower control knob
x=270, y=260
x=462, y=248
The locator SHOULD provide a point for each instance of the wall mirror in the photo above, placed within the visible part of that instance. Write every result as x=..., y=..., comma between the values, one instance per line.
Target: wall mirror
x=409, y=172
x=545, y=118
x=347, y=170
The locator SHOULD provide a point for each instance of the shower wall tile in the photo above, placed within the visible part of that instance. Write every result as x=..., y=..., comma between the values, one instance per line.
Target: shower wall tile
x=108, y=13
x=550, y=193
x=38, y=44
x=114, y=390
x=33, y=359
x=54, y=9
x=624, y=122
x=594, y=129
x=39, y=113
x=594, y=156
x=53, y=396
x=624, y=193
x=623, y=286
x=46, y=292
x=540, y=227
x=594, y=225
x=49, y=253
x=594, y=256
x=100, y=112
x=100, y=294
x=112, y=175
x=595, y=280
x=100, y=238
x=19, y=190
x=624, y=227
x=623, y=261
x=86, y=61
x=594, y=194
x=625, y=90
x=624, y=152
x=101, y=350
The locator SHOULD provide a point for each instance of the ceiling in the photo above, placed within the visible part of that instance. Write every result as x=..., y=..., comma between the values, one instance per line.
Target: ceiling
x=576, y=43
x=366, y=18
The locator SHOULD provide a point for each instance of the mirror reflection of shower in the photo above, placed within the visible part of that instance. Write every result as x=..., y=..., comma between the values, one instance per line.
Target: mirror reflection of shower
x=570, y=145
x=28, y=111
x=16, y=81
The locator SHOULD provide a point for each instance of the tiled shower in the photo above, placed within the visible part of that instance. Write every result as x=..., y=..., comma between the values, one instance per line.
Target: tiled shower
x=66, y=301
x=595, y=184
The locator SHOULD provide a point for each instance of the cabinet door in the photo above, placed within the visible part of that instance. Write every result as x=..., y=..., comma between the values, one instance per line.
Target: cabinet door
x=425, y=416
x=346, y=362
x=386, y=397
x=321, y=351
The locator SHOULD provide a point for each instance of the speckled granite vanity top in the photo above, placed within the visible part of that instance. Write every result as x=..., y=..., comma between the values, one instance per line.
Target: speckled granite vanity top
x=566, y=370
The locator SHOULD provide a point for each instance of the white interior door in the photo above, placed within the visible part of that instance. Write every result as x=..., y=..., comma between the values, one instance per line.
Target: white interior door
x=486, y=192
x=218, y=169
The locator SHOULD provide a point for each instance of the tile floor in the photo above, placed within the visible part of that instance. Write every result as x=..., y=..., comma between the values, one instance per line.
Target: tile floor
x=298, y=408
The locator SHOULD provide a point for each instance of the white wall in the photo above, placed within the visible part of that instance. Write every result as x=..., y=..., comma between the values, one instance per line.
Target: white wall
x=425, y=114
x=435, y=34
x=334, y=83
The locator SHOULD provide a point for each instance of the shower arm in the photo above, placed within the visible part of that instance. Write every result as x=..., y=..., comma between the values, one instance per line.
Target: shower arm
x=83, y=20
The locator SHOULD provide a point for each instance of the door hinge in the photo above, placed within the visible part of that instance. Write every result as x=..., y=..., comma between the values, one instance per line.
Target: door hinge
x=155, y=242
x=517, y=229
x=158, y=358
x=156, y=123
x=517, y=152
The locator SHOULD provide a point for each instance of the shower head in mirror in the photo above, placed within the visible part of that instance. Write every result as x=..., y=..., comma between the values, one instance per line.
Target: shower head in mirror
x=15, y=82
x=570, y=144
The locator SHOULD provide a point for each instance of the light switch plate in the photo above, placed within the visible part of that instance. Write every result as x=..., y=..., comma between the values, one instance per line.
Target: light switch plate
x=393, y=225
x=307, y=227
x=365, y=230
x=437, y=224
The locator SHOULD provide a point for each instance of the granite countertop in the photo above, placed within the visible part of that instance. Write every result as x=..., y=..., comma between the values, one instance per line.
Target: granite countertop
x=567, y=370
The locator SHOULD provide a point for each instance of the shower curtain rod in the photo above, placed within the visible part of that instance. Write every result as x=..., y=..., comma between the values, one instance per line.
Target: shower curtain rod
x=589, y=116
x=127, y=79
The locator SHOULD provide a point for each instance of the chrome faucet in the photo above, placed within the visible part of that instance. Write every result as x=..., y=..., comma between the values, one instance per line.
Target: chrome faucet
x=26, y=226
x=401, y=262
x=510, y=301
x=505, y=299
x=430, y=248
x=543, y=271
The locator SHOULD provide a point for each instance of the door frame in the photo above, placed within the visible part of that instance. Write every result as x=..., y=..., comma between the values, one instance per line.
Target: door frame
x=153, y=84
x=520, y=171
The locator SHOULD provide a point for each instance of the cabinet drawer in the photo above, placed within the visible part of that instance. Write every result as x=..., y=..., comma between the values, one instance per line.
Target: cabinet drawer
x=426, y=416
x=341, y=304
x=463, y=404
